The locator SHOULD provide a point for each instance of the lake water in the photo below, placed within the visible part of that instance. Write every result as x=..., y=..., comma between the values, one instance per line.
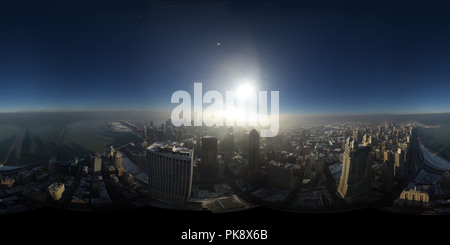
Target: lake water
x=34, y=137
x=437, y=140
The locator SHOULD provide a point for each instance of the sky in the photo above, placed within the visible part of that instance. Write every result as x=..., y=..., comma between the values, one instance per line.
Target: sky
x=346, y=57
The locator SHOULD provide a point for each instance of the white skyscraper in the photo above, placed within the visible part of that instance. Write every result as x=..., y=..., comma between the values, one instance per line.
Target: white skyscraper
x=170, y=172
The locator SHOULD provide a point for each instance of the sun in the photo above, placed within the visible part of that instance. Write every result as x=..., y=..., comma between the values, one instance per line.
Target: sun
x=245, y=90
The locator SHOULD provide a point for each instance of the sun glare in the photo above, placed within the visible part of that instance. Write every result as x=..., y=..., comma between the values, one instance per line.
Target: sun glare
x=245, y=90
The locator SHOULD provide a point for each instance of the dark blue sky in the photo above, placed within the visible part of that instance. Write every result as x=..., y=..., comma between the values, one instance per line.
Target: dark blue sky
x=323, y=58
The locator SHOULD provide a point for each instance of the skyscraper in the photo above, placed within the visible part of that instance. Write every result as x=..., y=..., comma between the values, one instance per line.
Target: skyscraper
x=118, y=159
x=111, y=152
x=355, y=178
x=319, y=166
x=209, y=160
x=170, y=172
x=357, y=135
x=253, y=153
x=281, y=175
x=399, y=166
x=56, y=190
x=387, y=176
x=228, y=143
x=388, y=156
x=308, y=160
x=52, y=164
x=97, y=163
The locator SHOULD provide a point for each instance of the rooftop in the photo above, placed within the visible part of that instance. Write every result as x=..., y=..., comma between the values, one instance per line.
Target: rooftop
x=55, y=186
x=170, y=148
x=286, y=165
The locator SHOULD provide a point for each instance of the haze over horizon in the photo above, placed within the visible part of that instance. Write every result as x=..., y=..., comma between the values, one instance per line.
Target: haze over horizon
x=352, y=58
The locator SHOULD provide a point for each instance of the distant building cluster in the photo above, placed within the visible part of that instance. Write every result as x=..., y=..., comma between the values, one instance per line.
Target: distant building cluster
x=315, y=166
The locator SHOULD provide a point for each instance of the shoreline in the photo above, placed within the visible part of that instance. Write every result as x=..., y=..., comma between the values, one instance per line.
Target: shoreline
x=435, y=161
x=433, y=152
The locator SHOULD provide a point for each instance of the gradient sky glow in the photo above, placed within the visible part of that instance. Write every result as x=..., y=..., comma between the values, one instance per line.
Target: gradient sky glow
x=377, y=57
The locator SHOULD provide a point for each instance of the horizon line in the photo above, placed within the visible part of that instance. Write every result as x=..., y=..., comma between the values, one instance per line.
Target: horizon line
x=164, y=110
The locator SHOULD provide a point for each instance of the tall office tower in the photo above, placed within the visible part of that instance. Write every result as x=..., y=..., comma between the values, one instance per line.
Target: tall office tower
x=281, y=175
x=52, y=164
x=355, y=178
x=170, y=172
x=228, y=143
x=111, y=151
x=118, y=159
x=357, y=135
x=344, y=133
x=253, y=153
x=209, y=160
x=56, y=190
x=388, y=156
x=387, y=176
x=179, y=134
x=319, y=166
x=370, y=140
x=365, y=138
x=383, y=146
x=97, y=163
x=399, y=166
x=308, y=174
x=220, y=168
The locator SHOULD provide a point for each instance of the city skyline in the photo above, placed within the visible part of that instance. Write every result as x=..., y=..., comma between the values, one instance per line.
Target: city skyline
x=224, y=121
x=349, y=58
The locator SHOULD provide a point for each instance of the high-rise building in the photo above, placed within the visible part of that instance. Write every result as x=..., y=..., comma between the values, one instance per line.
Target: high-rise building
x=344, y=133
x=228, y=143
x=306, y=150
x=357, y=135
x=281, y=175
x=378, y=154
x=118, y=159
x=387, y=176
x=170, y=172
x=355, y=178
x=253, y=152
x=399, y=167
x=111, y=151
x=308, y=174
x=56, y=190
x=209, y=160
x=97, y=163
x=52, y=164
x=319, y=166
x=145, y=132
x=388, y=156
x=179, y=134
x=220, y=168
